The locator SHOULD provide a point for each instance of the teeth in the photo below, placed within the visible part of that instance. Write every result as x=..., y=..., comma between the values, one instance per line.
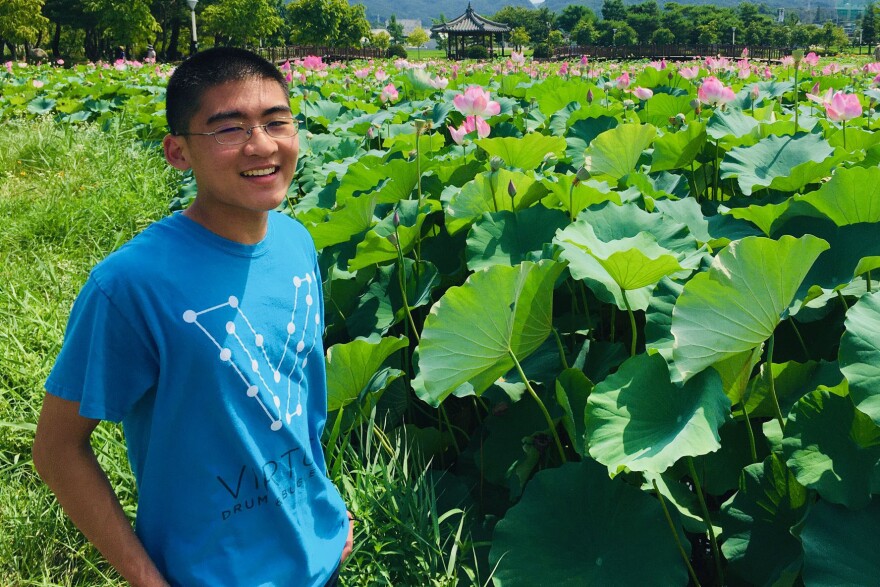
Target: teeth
x=259, y=172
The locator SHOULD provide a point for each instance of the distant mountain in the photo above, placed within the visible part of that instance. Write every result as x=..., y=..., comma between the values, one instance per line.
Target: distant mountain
x=424, y=10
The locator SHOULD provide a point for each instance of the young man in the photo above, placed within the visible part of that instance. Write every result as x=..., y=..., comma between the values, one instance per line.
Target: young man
x=202, y=335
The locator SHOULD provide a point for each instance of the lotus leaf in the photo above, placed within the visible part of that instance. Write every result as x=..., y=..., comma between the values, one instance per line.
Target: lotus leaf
x=860, y=354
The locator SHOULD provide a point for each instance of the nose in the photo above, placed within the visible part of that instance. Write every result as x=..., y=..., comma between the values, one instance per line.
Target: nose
x=260, y=143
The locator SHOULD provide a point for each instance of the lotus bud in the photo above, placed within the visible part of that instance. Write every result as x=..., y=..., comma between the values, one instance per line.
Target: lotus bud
x=496, y=163
x=628, y=104
x=420, y=126
x=370, y=133
x=670, y=75
x=396, y=218
x=755, y=92
x=310, y=135
x=590, y=96
x=607, y=86
x=511, y=189
x=582, y=175
x=815, y=89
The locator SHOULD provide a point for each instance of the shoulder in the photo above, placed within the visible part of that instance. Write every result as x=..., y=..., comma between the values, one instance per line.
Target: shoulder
x=290, y=228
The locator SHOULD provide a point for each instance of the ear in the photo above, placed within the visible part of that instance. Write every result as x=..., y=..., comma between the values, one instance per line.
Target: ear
x=176, y=152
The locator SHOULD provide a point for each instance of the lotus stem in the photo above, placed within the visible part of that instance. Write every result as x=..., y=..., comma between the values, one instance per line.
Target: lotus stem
x=613, y=320
x=678, y=543
x=716, y=195
x=561, y=347
x=694, y=182
x=844, y=134
x=769, y=364
x=797, y=333
x=550, y=424
x=699, y=491
x=451, y=430
x=843, y=301
x=796, y=100
x=752, y=448
x=868, y=280
x=571, y=203
x=632, y=324
x=400, y=273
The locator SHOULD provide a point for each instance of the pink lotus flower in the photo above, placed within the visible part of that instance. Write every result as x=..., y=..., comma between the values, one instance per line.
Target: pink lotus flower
x=713, y=92
x=787, y=61
x=313, y=63
x=285, y=66
x=830, y=69
x=8, y=66
x=811, y=59
x=362, y=73
x=38, y=84
x=822, y=100
x=438, y=83
x=475, y=102
x=843, y=107
x=642, y=93
x=288, y=77
x=622, y=82
x=689, y=73
x=470, y=124
x=658, y=65
x=745, y=53
x=517, y=58
x=584, y=60
x=388, y=94
x=59, y=62
x=381, y=76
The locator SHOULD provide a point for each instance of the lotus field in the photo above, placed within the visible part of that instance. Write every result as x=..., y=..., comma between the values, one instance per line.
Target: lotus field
x=627, y=307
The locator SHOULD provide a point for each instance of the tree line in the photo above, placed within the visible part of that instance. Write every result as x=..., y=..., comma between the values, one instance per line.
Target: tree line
x=100, y=29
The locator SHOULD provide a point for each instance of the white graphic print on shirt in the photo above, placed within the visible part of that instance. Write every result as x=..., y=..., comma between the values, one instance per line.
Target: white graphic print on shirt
x=247, y=359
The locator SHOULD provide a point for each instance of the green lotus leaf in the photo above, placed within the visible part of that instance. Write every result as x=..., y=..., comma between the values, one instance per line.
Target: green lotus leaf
x=41, y=105
x=525, y=152
x=851, y=196
x=737, y=304
x=840, y=545
x=759, y=545
x=509, y=238
x=721, y=469
x=661, y=107
x=761, y=215
x=381, y=306
x=572, y=390
x=406, y=144
x=544, y=540
x=638, y=419
x=782, y=163
x=633, y=262
x=378, y=246
x=581, y=196
x=735, y=372
x=559, y=121
x=487, y=192
x=354, y=369
x=731, y=125
x=679, y=494
x=677, y=150
x=502, y=446
x=860, y=354
x=361, y=176
x=836, y=268
x=791, y=381
x=687, y=211
x=658, y=318
x=582, y=132
x=658, y=186
x=321, y=111
x=614, y=153
x=555, y=93
x=475, y=330
x=354, y=218
x=832, y=447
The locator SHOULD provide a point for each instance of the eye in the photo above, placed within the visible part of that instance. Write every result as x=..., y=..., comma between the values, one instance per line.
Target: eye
x=230, y=131
x=279, y=124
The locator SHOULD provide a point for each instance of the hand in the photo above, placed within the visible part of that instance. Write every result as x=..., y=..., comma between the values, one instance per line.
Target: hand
x=349, y=541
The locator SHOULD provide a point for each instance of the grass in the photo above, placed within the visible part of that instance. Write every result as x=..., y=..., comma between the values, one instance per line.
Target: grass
x=69, y=196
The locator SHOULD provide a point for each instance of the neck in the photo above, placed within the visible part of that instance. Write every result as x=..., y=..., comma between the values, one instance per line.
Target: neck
x=245, y=228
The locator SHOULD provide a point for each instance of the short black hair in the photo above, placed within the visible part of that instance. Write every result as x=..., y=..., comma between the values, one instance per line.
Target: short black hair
x=205, y=70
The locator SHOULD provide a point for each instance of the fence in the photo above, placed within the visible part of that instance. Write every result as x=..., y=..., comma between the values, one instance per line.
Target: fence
x=326, y=52
x=668, y=52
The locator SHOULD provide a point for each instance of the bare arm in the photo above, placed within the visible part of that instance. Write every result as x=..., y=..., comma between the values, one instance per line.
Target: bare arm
x=65, y=460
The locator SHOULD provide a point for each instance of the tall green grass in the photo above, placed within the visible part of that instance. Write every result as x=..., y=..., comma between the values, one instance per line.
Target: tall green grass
x=69, y=196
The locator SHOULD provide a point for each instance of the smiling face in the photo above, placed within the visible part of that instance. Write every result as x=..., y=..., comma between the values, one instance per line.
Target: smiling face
x=237, y=184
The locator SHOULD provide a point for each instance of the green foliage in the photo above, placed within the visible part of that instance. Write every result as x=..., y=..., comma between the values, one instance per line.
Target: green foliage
x=333, y=22
x=476, y=52
x=396, y=51
x=242, y=22
x=21, y=20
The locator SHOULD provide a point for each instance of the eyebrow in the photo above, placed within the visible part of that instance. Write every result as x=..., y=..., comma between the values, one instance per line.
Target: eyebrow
x=234, y=114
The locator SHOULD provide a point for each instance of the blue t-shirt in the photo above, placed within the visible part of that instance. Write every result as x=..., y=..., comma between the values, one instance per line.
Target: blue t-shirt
x=210, y=353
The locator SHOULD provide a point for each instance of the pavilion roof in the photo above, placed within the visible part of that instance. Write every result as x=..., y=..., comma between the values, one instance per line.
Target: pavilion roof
x=471, y=22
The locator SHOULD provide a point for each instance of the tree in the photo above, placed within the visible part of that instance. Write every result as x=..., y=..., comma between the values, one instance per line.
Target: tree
x=606, y=34
x=354, y=28
x=584, y=32
x=644, y=18
x=439, y=38
x=519, y=37
x=21, y=22
x=241, y=22
x=662, y=36
x=381, y=40
x=613, y=10
x=333, y=22
x=124, y=22
x=418, y=38
x=869, y=27
x=395, y=30
x=572, y=14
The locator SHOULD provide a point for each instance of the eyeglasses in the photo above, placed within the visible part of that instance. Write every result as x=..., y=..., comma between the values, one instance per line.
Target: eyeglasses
x=236, y=133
